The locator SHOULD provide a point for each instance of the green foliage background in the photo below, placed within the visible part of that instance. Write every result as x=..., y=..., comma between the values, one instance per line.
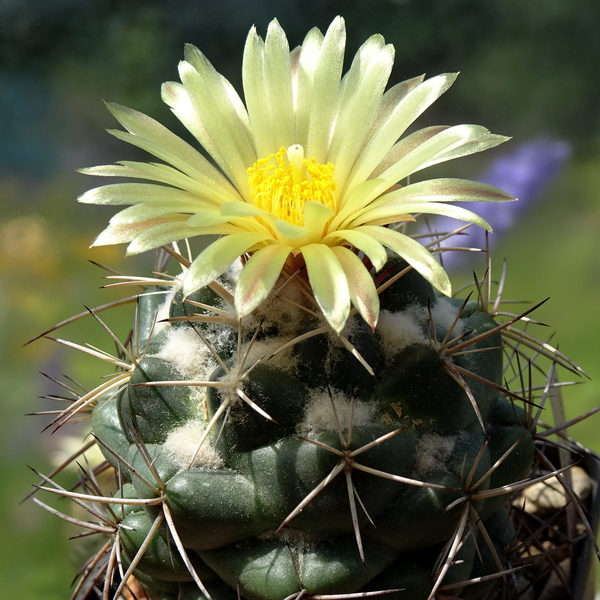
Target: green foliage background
x=527, y=69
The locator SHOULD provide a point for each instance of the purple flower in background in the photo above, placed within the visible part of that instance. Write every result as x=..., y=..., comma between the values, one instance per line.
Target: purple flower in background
x=524, y=173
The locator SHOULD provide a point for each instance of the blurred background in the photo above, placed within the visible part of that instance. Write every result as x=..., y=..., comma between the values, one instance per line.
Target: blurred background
x=529, y=70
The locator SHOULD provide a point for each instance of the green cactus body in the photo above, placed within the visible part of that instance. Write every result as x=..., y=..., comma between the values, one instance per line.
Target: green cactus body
x=315, y=472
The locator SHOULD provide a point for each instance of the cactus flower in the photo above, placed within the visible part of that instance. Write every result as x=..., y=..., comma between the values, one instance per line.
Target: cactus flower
x=305, y=173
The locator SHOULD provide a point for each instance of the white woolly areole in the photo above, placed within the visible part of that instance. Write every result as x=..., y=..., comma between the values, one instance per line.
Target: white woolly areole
x=399, y=330
x=433, y=450
x=218, y=335
x=185, y=349
x=182, y=445
x=444, y=314
x=319, y=415
x=265, y=349
x=231, y=382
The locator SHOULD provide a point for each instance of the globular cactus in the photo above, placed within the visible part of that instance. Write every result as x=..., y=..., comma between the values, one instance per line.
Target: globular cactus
x=321, y=417
x=286, y=458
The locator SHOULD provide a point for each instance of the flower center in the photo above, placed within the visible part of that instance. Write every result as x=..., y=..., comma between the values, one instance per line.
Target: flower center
x=283, y=182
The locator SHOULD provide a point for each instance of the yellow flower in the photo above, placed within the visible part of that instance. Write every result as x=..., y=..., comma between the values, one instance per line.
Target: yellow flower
x=306, y=174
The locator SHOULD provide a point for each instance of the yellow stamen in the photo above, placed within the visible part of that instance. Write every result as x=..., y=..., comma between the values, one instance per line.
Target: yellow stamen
x=281, y=186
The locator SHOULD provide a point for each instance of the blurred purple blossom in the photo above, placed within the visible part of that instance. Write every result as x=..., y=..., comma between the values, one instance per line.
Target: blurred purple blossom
x=525, y=173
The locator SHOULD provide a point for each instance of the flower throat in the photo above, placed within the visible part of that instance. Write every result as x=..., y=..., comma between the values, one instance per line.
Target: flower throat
x=282, y=186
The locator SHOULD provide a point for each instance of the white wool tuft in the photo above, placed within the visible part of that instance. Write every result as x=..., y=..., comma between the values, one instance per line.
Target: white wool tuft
x=319, y=415
x=219, y=336
x=444, y=313
x=433, y=450
x=399, y=330
x=231, y=382
x=263, y=349
x=188, y=353
x=182, y=444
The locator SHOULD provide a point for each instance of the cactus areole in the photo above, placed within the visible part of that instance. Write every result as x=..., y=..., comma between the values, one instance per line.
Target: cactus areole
x=303, y=409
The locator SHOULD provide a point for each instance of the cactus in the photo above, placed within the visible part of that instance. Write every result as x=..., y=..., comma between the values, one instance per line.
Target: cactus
x=320, y=417
x=282, y=465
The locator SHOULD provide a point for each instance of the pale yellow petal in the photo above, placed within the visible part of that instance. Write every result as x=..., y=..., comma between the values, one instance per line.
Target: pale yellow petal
x=119, y=233
x=290, y=231
x=214, y=260
x=360, y=283
x=267, y=81
x=242, y=209
x=258, y=277
x=211, y=115
x=149, y=135
x=422, y=196
x=445, y=190
x=371, y=247
x=413, y=253
x=304, y=63
x=316, y=217
x=410, y=106
x=161, y=174
x=141, y=193
x=329, y=284
x=327, y=67
x=277, y=92
x=405, y=146
x=147, y=212
x=385, y=215
x=358, y=198
x=162, y=234
x=360, y=96
x=207, y=218
x=450, y=143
